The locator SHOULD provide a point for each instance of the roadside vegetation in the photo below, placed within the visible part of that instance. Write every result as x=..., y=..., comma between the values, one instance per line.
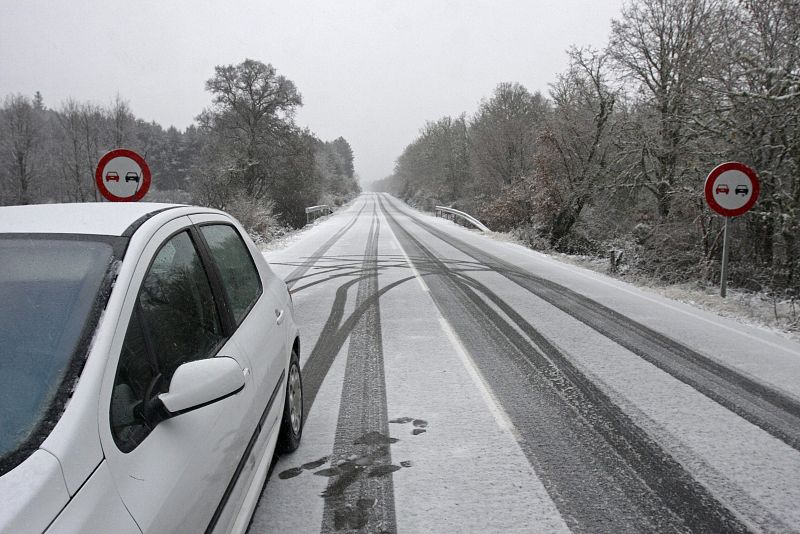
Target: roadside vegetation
x=244, y=155
x=612, y=160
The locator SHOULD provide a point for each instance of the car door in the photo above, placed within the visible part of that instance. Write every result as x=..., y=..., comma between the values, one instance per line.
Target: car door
x=257, y=310
x=172, y=476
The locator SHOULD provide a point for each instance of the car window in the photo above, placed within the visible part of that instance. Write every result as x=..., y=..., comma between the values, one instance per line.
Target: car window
x=48, y=290
x=237, y=270
x=175, y=320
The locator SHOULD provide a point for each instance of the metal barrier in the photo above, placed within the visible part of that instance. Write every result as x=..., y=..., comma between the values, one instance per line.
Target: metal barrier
x=315, y=212
x=451, y=214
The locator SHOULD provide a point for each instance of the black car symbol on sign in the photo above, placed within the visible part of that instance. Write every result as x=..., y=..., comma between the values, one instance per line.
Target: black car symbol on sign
x=132, y=177
x=741, y=190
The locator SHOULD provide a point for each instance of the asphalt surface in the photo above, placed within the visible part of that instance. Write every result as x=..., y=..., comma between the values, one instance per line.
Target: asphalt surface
x=454, y=383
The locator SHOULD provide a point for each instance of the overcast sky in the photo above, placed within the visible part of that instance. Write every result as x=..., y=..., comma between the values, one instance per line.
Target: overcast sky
x=372, y=71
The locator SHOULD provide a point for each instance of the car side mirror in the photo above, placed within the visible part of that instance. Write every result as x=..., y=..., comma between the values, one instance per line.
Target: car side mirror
x=201, y=382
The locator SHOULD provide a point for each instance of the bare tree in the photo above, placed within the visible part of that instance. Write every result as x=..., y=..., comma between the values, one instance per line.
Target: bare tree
x=22, y=124
x=80, y=133
x=662, y=50
x=503, y=135
x=575, y=143
x=121, y=121
x=253, y=115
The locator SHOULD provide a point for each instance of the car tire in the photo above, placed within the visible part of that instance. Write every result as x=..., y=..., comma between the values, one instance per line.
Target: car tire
x=292, y=423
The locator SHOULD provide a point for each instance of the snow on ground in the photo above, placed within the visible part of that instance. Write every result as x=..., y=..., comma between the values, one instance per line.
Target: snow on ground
x=452, y=474
x=293, y=236
x=756, y=351
x=461, y=471
x=747, y=307
x=753, y=309
x=743, y=465
x=468, y=473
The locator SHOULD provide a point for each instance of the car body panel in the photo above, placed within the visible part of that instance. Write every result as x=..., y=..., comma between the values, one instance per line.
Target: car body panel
x=269, y=360
x=98, y=218
x=256, y=335
x=237, y=520
x=80, y=434
x=32, y=494
x=96, y=508
x=76, y=443
x=236, y=517
x=153, y=478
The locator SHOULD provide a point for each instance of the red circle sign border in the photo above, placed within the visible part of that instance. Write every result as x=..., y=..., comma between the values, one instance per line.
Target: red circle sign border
x=731, y=166
x=122, y=153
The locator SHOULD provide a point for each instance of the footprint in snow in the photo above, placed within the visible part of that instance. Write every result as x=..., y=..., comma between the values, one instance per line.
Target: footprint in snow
x=295, y=471
x=419, y=424
x=402, y=420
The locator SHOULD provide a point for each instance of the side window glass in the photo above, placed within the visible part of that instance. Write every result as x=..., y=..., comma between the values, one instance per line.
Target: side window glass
x=239, y=275
x=175, y=320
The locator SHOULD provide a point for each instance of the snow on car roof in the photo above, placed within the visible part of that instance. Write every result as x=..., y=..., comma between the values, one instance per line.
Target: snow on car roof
x=99, y=218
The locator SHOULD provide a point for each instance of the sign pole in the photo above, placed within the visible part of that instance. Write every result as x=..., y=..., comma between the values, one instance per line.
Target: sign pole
x=731, y=189
x=723, y=282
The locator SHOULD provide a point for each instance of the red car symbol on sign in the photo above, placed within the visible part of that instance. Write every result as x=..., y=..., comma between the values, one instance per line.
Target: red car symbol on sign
x=112, y=177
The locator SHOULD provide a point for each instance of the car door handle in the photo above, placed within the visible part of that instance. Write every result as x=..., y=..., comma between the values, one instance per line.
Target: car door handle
x=279, y=316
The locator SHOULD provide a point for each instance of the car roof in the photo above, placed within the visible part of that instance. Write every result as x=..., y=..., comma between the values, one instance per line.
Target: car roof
x=97, y=218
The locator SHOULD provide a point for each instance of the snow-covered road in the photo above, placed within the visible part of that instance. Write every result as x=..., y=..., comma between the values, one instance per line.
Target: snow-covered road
x=455, y=383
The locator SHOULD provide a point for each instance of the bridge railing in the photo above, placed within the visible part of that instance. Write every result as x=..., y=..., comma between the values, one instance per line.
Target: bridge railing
x=456, y=216
x=315, y=212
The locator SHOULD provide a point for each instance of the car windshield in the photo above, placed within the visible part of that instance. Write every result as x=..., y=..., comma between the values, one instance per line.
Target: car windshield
x=48, y=288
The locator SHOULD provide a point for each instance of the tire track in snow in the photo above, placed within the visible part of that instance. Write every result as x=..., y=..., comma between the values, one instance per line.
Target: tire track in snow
x=773, y=411
x=320, y=252
x=328, y=345
x=603, y=472
x=337, y=329
x=360, y=492
x=333, y=336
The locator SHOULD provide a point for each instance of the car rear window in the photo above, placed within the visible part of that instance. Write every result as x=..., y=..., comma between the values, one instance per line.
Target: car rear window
x=239, y=275
x=48, y=290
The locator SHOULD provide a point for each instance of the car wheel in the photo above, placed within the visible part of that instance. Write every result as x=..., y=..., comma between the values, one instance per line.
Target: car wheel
x=292, y=424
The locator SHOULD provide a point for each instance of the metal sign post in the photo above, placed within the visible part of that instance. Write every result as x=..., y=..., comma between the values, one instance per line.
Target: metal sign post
x=723, y=281
x=731, y=189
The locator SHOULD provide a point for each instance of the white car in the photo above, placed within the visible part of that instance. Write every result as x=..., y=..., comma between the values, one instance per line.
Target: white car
x=148, y=368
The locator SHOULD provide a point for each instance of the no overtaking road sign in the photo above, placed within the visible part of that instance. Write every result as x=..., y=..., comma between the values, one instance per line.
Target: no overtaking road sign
x=732, y=189
x=122, y=176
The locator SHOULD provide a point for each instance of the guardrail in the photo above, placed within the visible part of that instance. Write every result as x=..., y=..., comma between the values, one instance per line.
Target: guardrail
x=315, y=212
x=455, y=215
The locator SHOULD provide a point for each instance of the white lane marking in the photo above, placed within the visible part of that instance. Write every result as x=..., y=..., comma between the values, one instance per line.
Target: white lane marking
x=411, y=266
x=500, y=416
x=495, y=408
